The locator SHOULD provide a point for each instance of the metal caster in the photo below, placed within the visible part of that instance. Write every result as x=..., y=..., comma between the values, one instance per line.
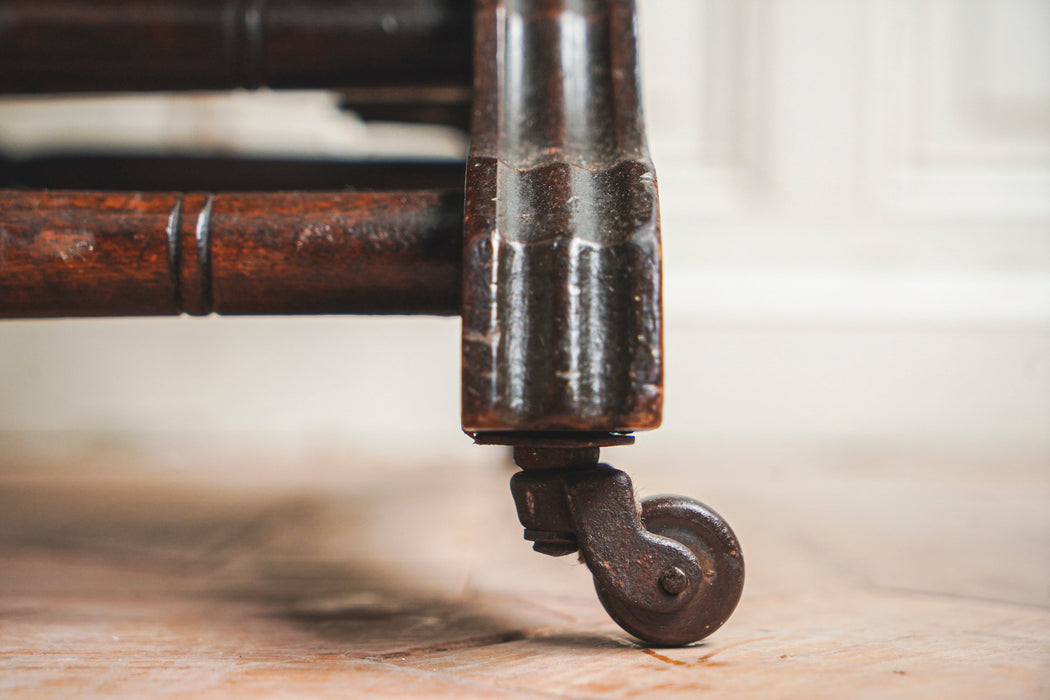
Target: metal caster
x=670, y=572
x=709, y=538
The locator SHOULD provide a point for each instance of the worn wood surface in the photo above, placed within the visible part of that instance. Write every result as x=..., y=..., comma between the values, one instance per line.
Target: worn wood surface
x=134, y=254
x=562, y=316
x=108, y=45
x=208, y=572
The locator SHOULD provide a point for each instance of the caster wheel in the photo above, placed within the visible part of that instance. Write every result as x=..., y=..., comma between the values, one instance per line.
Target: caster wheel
x=715, y=546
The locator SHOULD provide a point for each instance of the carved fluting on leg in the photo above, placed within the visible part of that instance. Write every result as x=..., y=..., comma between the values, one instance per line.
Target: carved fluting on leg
x=561, y=307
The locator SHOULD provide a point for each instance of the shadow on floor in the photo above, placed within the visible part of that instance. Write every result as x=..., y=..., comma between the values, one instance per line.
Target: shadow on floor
x=270, y=553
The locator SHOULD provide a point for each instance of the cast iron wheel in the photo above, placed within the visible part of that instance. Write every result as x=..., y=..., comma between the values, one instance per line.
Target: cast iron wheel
x=715, y=546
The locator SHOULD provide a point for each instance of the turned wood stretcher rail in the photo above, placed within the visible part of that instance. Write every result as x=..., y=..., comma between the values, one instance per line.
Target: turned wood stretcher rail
x=141, y=254
x=117, y=45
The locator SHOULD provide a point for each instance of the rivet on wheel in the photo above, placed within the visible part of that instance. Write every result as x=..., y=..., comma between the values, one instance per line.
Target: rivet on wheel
x=673, y=580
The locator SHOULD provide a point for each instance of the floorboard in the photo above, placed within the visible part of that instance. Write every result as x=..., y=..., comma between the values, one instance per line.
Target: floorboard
x=907, y=575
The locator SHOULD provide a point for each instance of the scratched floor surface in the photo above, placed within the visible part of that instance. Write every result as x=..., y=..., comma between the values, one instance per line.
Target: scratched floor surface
x=219, y=575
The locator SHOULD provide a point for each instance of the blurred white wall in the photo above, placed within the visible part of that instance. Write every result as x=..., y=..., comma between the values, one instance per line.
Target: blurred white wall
x=856, y=210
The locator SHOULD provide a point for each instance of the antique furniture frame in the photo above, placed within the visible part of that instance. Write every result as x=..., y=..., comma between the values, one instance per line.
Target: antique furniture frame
x=550, y=253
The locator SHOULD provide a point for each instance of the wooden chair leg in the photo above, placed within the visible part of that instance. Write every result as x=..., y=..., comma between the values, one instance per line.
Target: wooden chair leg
x=551, y=254
x=562, y=333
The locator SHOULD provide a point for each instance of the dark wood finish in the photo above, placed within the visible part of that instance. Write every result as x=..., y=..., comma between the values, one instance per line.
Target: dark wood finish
x=446, y=105
x=121, y=254
x=174, y=173
x=561, y=289
x=115, y=45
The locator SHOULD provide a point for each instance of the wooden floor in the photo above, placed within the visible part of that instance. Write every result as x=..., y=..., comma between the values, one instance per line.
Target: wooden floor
x=220, y=574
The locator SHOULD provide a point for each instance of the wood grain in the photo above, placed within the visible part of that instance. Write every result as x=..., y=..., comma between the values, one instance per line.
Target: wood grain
x=235, y=573
x=136, y=253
